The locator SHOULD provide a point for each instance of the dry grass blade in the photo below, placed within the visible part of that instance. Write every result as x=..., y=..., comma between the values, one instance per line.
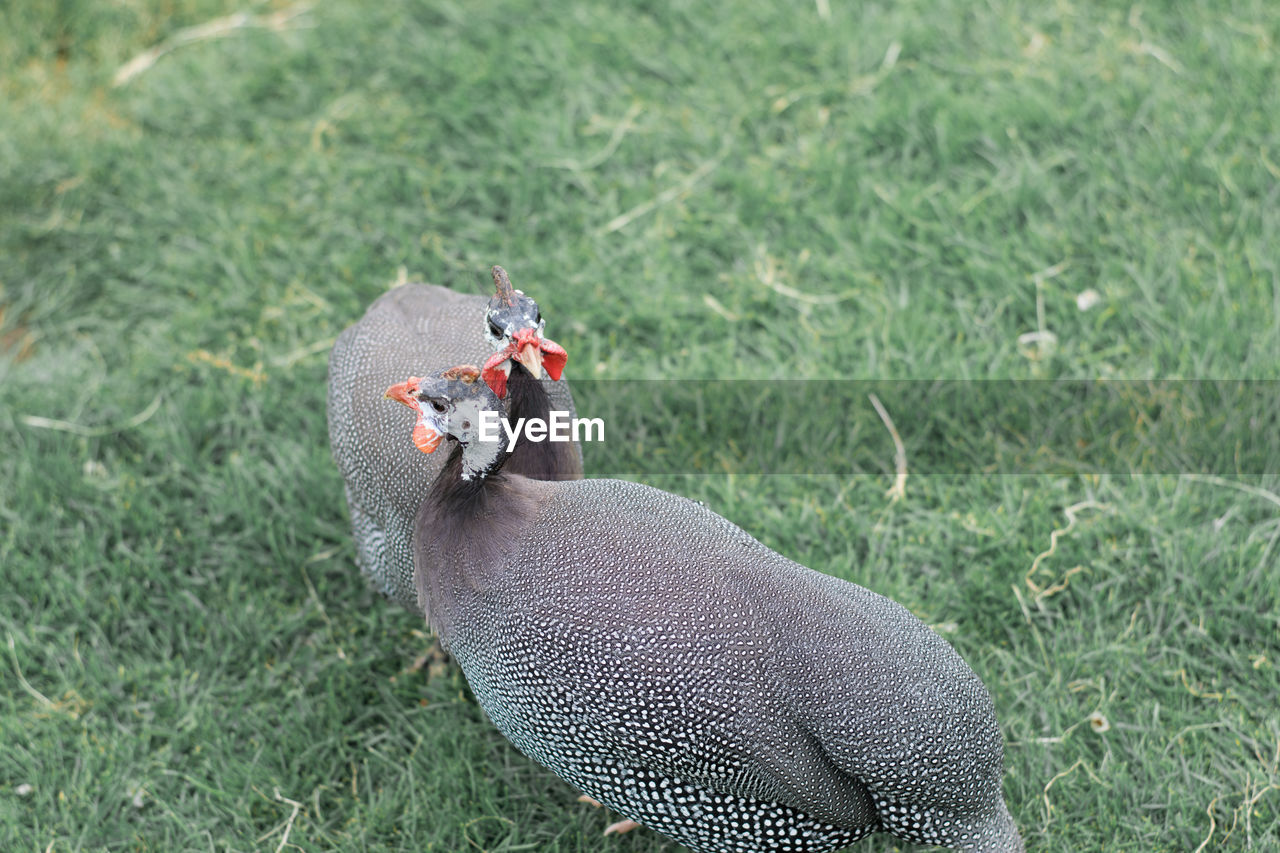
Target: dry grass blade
x=31, y=691
x=620, y=131
x=217, y=28
x=1212, y=826
x=1232, y=484
x=686, y=184
x=1070, y=512
x=899, y=488
x=286, y=825
x=91, y=432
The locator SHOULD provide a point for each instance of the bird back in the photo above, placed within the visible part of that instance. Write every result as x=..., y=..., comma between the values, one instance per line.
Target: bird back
x=634, y=631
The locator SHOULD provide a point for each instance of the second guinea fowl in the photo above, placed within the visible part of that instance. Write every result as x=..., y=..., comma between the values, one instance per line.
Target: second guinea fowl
x=426, y=327
x=670, y=666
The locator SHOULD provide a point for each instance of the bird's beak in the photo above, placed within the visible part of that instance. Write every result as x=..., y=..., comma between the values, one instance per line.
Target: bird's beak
x=529, y=348
x=405, y=392
x=528, y=351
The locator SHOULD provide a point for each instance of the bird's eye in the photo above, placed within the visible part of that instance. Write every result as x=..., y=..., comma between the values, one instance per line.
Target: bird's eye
x=438, y=407
x=539, y=320
x=495, y=329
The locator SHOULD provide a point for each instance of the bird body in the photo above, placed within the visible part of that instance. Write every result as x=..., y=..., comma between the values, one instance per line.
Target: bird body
x=415, y=327
x=677, y=670
x=672, y=667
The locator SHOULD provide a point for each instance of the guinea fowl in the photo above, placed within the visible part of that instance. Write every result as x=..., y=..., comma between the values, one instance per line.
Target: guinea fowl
x=420, y=326
x=663, y=661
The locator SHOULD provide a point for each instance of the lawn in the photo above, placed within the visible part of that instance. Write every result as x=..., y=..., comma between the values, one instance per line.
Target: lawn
x=827, y=190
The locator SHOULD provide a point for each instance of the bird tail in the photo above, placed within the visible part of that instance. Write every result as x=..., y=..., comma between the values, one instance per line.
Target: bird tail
x=999, y=834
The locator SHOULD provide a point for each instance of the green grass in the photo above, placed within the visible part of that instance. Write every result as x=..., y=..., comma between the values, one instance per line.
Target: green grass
x=901, y=191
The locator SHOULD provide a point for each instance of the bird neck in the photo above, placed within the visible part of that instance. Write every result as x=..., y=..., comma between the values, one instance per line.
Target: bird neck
x=542, y=460
x=452, y=494
x=526, y=398
x=464, y=534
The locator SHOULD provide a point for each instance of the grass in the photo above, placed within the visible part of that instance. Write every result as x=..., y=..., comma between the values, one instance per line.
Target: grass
x=901, y=191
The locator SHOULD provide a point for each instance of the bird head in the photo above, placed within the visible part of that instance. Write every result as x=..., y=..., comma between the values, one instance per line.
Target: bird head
x=449, y=404
x=513, y=324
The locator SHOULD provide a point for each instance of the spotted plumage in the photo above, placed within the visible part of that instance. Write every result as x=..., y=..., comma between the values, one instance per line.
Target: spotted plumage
x=670, y=666
x=420, y=327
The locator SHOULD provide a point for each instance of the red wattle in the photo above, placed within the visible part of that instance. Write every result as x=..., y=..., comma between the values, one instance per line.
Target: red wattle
x=493, y=374
x=553, y=358
x=425, y=438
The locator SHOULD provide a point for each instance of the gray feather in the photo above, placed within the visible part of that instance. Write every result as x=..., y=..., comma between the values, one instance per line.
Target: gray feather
x=666, y=663
x=415, y=329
